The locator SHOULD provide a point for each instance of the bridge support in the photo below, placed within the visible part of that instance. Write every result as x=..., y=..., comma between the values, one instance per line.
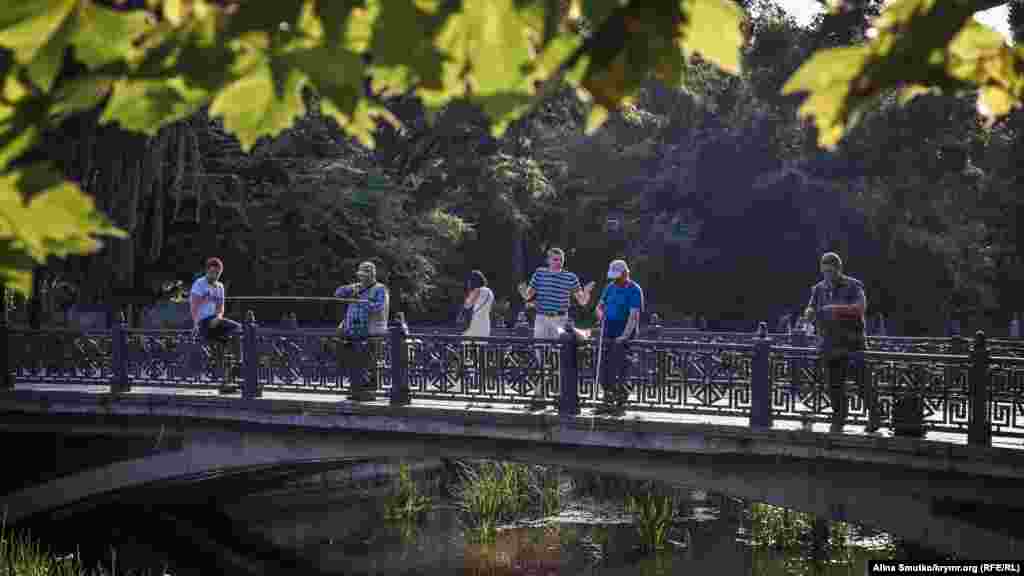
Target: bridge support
x=119, y=354
x=760, y=381
x=979, y=431
x=398, y=335
x=5, y=329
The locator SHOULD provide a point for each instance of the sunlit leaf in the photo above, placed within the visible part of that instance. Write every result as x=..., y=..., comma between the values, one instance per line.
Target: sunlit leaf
x=57, y=220
x=712, y=28
x=103, y=36
x=398, y=66
x=261, y=103
x=79, y=94
x=147, y=105
x=37, y=31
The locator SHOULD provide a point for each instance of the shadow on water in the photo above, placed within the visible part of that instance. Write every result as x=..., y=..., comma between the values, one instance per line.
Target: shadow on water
x=329, y=518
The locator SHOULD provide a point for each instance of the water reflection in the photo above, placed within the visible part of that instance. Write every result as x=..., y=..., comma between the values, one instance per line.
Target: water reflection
x=568, y=522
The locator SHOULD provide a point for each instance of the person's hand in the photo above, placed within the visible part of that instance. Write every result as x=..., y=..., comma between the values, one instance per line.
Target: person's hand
x=599, y=313
x=523, y=287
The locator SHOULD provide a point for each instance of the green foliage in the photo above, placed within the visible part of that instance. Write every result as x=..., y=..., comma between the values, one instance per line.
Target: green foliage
x=653, y=515
x=915, y=46
x=490, y=493
x=250, y=63
x=22, y=555
x=406, y=503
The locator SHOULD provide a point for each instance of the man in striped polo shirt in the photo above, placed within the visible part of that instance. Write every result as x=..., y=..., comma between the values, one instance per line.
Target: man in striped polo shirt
x=553, y=286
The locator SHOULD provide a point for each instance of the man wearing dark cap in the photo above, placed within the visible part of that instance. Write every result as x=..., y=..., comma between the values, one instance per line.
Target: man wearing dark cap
x=837, y=308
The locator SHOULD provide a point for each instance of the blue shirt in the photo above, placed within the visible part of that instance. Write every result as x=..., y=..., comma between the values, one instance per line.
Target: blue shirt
x=358, y=321
x=214, y=296
x=618, y=301
x=553, y=290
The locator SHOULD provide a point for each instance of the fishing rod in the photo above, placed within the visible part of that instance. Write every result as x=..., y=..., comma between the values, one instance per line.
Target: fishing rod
x=298, y=298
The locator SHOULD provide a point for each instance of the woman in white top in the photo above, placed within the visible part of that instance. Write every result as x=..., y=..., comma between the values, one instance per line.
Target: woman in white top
x=479, y=299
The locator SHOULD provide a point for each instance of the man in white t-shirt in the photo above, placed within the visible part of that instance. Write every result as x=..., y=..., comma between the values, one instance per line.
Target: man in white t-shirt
x=207, y=305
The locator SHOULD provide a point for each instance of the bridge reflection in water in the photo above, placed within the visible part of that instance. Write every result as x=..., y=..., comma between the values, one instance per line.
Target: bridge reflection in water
x=723, y=413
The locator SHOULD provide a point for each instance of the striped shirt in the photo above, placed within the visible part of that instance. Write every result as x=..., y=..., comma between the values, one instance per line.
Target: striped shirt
x=553, y=290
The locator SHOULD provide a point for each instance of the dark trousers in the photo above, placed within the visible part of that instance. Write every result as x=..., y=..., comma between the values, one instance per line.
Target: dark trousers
x=354, y=364
x=614, y=371
x=222, y=332
x=840, y=369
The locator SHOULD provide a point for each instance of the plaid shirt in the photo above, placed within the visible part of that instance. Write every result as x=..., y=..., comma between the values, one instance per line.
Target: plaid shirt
x=357, y=317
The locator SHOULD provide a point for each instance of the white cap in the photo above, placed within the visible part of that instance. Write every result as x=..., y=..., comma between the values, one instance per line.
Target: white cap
x=616, y=269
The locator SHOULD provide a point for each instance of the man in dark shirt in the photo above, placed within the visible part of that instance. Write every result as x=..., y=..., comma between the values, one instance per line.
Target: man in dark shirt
x=837, y=308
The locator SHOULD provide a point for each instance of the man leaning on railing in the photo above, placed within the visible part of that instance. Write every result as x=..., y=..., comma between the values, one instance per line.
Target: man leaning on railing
x=363, y=319
x=837, y=307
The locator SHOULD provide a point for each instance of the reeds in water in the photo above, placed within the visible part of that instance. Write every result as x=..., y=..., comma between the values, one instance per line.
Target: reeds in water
x=22, y=555
x=653, y=516
x=490, y=493
x=406, y=503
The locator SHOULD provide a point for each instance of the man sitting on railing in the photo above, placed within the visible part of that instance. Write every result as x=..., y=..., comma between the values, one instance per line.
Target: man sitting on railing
x=207, y=306
x=837, y=307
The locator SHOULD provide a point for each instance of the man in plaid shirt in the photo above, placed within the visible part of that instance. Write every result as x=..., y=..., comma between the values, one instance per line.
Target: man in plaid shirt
x=369, y=317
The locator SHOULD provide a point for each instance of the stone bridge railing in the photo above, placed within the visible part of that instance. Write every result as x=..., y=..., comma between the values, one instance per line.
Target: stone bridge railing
x=956, y=386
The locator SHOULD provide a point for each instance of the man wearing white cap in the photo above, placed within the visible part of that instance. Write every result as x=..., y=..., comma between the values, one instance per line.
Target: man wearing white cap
x=620, y=307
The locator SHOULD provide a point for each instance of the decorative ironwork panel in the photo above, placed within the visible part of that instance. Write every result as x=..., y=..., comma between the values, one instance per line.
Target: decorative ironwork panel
x=678, y=377
x=176, y=358
x=60, y=356
x=801, y=387
x=491, y=369
x=309, y=361
x=1006, y=396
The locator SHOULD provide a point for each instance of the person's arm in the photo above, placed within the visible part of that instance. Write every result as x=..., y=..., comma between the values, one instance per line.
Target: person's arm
x=631, y=324
x=481, y=298
x=855, y=310
x=583, y=294
x=471, y=298
x=528, y=291
x=220, y=303
x=809, y=311
x=599, y=310
x=636, y=304
x=377, y=299
x=345, y=291
x=196, y=299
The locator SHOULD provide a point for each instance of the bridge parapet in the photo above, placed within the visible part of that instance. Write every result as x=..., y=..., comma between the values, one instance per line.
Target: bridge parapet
x=764, y=377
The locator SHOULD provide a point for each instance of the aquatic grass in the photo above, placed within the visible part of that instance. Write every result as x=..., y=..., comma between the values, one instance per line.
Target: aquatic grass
x=652, y=514
x=406, y=503
x=490, y=493
x=22, y=555
x=779, y=528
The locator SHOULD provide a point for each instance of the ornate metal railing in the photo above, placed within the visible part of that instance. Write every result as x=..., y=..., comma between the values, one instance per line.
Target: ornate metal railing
x=967, y=387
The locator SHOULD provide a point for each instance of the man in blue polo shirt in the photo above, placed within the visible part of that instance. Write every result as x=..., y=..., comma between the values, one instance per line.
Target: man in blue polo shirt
x=620, y=306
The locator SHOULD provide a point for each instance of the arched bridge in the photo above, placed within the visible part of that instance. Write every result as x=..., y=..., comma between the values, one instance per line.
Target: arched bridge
x=745, y=417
